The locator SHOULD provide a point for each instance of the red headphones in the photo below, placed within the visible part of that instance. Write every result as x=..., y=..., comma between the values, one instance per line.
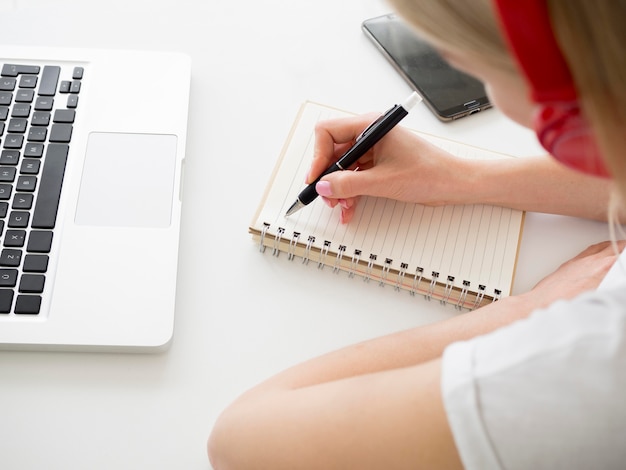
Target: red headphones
x=559, y=123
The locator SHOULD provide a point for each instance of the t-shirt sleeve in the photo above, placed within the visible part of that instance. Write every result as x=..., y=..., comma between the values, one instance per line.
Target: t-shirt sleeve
x=544, y=392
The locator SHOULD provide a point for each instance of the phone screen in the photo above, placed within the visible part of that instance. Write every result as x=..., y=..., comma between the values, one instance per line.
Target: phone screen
x=449, y=93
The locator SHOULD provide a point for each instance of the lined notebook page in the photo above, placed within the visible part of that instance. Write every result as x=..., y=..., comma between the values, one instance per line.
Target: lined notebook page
x=445, y=252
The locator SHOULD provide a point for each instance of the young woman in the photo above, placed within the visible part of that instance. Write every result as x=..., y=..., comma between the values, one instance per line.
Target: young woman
x=532, y=381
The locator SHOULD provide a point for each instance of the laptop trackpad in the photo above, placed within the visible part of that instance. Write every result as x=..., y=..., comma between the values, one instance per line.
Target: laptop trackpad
x=127, y=180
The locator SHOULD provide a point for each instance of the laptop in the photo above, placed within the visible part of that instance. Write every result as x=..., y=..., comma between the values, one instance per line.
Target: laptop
x=91, y=166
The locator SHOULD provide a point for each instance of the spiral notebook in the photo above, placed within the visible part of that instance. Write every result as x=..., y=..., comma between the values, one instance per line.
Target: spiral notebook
x=462, y=255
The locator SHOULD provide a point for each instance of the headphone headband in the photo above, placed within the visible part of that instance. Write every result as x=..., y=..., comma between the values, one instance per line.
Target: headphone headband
x=528, y=31
x=560, y=124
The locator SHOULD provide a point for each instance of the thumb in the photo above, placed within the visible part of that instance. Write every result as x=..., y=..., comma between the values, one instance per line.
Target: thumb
x=346, y=184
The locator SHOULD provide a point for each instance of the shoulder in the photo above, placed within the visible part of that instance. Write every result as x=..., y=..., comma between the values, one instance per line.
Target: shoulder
x=560, y=372
x=584, y=323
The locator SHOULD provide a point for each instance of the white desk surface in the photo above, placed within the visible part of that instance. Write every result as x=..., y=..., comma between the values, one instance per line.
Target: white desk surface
x=241, y=315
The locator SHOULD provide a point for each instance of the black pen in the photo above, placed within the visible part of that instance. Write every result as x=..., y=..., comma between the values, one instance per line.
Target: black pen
x=364, y=142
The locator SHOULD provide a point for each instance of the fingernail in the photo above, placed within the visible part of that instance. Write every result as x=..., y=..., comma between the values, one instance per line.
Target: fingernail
x=323, y=188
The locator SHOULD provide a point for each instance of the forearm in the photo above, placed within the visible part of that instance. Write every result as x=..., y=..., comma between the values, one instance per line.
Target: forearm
x=407, y=168
x=386, y=388
x=398, y=350
x=347, y=393
x=419, y=345
x=537, y=184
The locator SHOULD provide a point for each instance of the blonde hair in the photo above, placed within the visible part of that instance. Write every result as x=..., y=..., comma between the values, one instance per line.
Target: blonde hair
x=591, y=35
x=465, y=25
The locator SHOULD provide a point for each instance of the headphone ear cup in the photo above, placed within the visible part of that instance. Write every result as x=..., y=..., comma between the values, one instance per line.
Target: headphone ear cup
x=565, y=133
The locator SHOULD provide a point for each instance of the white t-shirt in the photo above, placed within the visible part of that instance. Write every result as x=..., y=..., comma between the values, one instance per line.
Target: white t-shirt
x=547, y=392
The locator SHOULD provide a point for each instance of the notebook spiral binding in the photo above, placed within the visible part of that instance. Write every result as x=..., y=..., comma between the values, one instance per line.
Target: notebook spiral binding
x=462, y=298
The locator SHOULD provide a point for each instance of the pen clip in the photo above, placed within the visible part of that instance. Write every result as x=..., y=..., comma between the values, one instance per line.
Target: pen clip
x=376, y=121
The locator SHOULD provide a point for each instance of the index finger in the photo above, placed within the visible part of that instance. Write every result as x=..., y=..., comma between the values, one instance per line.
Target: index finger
x=333, y=137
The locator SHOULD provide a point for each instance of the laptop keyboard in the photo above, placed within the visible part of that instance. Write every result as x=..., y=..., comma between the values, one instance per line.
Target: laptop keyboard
x=37, y=111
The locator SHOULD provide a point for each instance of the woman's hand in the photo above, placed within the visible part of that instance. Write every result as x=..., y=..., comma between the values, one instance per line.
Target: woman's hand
x=404, y=167
x=580, y=274
x=401, y=166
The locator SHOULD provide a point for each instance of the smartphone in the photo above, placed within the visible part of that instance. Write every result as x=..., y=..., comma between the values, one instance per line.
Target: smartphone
x=449, y=93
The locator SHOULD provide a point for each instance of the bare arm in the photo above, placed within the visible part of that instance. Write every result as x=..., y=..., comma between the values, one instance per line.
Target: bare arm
x=404, y=167
x=377, y=404
x=540, y=184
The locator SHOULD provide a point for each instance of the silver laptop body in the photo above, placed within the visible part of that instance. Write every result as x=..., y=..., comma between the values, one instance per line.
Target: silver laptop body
x=110, y=282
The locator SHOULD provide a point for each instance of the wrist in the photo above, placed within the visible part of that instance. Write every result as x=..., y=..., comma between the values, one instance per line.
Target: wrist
x=467, y=182
x=507, y=310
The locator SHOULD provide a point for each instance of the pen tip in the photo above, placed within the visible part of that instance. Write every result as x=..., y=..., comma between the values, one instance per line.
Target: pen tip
x=296, y=206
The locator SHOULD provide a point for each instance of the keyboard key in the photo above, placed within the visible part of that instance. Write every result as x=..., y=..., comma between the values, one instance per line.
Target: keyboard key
x=13, y=141
x=6, y=300
x=32, y=283
x=5, y=192
x=26, y=183
x=28, y=81
x=61, y=133
x=37, y=134
x=17, y=125
x=8, y=277
x=10, y=258
x=64, y=116
x=39, y=241
x=7, y=84
x=77, y=73
x=13, y=70
x=35, y=263
x=15, y=238
x=50, y=185
x=40, y=118
x=30, y=166
x=28, y=304
x=6, y=98
x=24, y=96
x=9, y=157
x=33, y=149
x=18, y=219
x=22, y=201
x=72, y=101
x=44, y=103
x=21, y=110
x=49, y=80
x=7, y=174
